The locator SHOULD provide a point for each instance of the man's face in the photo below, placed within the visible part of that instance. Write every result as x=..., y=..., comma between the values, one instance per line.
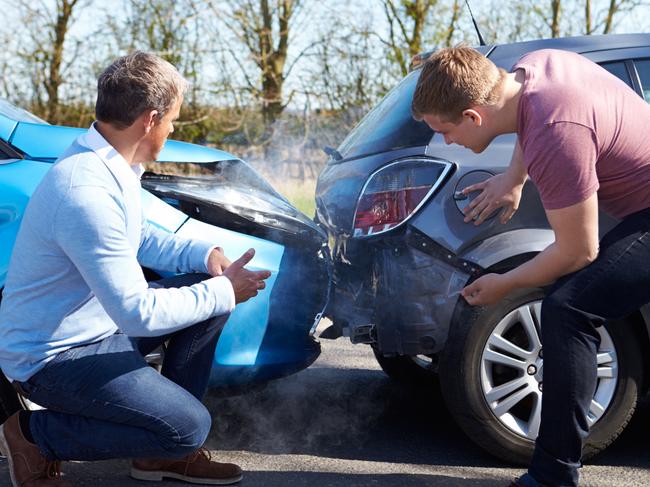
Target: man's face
x=469, y=132
x=155, y=139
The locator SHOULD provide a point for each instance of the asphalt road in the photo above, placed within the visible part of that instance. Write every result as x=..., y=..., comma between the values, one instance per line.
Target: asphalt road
x=343, y=423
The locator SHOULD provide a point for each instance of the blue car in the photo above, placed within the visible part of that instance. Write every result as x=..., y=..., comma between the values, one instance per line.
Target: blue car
x=211, y=195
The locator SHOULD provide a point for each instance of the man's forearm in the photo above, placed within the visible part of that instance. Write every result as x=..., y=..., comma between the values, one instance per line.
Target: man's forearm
x=545, y=268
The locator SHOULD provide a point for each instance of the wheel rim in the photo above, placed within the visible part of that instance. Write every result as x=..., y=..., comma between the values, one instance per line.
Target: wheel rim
x=512, y=372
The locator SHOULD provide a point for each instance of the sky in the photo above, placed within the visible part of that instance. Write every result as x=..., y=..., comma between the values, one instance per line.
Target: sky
x=361, y=11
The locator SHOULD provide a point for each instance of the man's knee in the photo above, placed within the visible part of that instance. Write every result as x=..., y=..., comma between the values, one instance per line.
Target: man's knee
x=563, y=319
x=557, y=318
x=554, y=309
x=190, y=430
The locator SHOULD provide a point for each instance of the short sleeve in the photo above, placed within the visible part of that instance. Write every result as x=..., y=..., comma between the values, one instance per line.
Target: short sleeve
x=560, y=158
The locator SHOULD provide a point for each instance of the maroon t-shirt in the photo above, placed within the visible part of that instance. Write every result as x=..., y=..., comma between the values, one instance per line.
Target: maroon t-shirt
x=583, y=130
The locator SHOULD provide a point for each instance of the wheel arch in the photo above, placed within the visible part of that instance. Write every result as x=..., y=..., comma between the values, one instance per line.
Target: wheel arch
x=639, y=320
x=508, y=245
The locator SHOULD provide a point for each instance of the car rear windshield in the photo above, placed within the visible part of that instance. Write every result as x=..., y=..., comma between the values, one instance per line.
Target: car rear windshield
x=389, y=125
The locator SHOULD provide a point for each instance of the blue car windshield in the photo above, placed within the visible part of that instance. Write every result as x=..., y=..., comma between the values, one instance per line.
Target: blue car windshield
x=389, y=125
x=18, y=114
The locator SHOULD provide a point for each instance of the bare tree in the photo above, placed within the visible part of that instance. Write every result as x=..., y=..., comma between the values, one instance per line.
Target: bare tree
x=513, y=22
x=170, y=29
x=604, y=19
x=265, y=30
x=175, y=32
x=349, y=78
x=155, y=25
x=556, y=6
x=564, y=18
x=588, y=25
x=406, y=22
x=451, y=29
x=43, y=53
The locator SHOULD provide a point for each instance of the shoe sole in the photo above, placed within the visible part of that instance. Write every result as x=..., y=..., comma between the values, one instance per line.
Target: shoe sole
x=4, y=448
x=158, y=475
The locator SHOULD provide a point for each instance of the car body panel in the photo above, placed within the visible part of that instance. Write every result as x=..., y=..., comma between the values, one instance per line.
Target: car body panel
x=41, y=141
x=506, y=55
x=244, y=331
x=264, y=338
x=18, y=179
x=503, y=246
x=161, y=214
x=7, y=127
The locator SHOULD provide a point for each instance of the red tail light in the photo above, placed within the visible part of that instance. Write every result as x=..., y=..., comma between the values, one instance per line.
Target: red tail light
x=395, y=192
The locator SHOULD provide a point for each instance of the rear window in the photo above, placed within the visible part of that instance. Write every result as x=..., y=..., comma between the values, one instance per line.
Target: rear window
x=389, y=125
x=619, y=70
x=643, y=68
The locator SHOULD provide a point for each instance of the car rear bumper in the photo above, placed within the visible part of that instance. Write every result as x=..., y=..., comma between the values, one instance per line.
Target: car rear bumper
x=397, y=293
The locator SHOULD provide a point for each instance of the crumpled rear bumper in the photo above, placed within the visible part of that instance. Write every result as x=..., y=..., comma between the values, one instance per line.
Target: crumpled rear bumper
x=398, y=293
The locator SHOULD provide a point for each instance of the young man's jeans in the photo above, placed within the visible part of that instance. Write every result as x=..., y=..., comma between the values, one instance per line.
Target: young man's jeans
x=614, y=285
x=104, y=401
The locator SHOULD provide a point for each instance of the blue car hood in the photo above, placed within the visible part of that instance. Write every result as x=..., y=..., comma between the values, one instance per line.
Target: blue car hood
x=47, y=142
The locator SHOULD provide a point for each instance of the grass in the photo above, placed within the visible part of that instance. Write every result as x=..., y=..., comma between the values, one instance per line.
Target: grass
x=299, y=193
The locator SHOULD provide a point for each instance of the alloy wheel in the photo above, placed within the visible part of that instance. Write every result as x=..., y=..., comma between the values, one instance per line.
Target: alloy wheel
x=512, y=368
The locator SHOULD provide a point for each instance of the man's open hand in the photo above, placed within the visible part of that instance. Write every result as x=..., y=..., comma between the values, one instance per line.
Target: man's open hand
x=500, y=191
x=245, y=283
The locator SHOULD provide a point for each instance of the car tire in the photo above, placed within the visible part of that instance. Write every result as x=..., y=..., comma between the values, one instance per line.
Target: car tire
x=405, y=369
x=464, y=370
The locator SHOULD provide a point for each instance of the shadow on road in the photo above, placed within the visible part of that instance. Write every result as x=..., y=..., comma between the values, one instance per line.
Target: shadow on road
x=95, y=474
x=352, y=414
x=630, y=449
x=360, y=414
x=273, y=479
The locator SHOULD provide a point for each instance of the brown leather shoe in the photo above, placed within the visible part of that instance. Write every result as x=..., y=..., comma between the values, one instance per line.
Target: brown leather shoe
x=197, y=468
x=27, y=467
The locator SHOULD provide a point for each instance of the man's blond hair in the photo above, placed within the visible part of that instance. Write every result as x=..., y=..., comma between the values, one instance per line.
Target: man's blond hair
x=454, y=79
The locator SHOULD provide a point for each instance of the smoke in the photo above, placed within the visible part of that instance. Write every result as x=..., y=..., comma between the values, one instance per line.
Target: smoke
x=311, y=412
x=293, y=149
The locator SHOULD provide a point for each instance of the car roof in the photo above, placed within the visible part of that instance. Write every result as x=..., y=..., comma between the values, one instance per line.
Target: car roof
x=505, y=55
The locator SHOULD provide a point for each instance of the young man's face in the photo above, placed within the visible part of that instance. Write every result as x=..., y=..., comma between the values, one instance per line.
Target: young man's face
x=468, y=132
x=155, y=139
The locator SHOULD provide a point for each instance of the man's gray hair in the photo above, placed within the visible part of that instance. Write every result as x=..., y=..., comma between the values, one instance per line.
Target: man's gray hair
x=134, y=84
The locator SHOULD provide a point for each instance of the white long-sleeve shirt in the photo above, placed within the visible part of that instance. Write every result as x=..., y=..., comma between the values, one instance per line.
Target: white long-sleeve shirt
x=75, y=275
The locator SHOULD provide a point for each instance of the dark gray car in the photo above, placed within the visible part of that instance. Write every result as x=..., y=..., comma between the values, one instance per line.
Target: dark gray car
x=390, y=201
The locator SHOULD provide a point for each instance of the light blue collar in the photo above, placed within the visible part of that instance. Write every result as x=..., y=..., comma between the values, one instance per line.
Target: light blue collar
x=126, y=174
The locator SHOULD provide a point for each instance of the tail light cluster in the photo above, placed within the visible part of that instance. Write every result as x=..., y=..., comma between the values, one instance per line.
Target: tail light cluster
x=395, y=192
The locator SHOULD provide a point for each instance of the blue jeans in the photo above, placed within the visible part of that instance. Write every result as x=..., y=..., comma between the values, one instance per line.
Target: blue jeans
x=104, y=401
x=613, y=286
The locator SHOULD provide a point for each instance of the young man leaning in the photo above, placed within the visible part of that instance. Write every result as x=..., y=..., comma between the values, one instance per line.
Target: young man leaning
x=581, y=138
x=78, y=317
